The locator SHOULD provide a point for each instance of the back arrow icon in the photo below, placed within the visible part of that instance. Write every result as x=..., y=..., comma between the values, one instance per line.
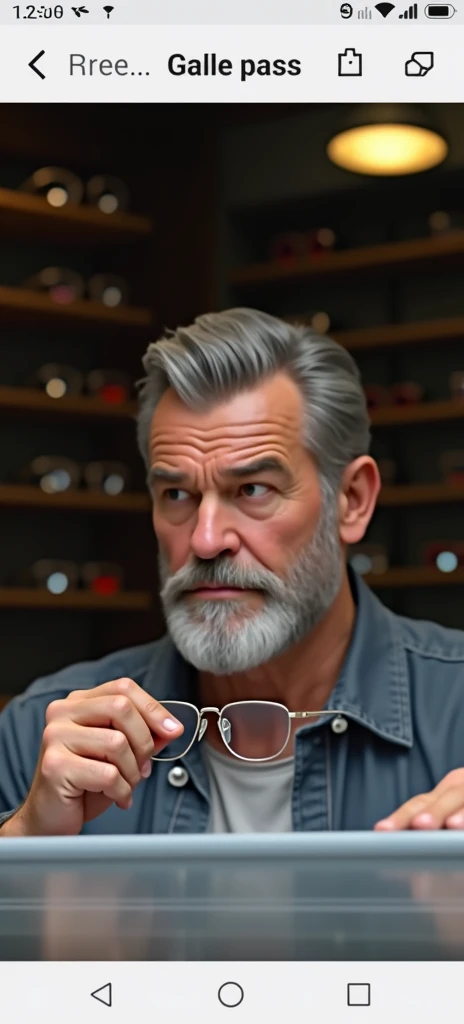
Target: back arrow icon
x=104, y=994
x=32, y=64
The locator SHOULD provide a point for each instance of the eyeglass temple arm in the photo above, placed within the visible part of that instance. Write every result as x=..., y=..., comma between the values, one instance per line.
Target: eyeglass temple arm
x=313, y=714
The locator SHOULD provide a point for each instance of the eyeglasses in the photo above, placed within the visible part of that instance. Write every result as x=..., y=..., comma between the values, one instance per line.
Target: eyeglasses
x=58, y=474
x=59, y=381
x=64, y=286
x=61, y=187
x=59, y=576
x=244, y=726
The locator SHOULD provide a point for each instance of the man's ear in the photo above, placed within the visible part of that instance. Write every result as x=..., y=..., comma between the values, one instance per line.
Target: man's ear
x=358, y=495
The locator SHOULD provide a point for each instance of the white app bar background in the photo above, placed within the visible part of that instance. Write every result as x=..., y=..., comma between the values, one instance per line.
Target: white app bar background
x=147, y=49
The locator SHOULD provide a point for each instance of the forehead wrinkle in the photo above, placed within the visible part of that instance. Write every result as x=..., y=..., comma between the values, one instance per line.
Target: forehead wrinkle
x=243, y=454
x=206, y=437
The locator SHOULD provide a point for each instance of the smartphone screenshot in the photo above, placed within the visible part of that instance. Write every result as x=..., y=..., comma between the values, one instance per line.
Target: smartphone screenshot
x=231, y=506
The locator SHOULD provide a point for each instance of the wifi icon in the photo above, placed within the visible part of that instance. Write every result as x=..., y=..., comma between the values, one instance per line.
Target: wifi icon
x=384, y=9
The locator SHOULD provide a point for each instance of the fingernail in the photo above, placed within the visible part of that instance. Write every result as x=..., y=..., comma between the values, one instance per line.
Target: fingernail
x=455, y=821
x=146, y=769
x=423, y=821
x=170, y=724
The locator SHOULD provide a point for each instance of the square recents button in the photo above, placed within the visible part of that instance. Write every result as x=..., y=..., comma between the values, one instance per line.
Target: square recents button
x=359, y=995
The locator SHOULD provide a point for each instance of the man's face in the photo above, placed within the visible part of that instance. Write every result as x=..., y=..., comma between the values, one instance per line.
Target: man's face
x=250, y=557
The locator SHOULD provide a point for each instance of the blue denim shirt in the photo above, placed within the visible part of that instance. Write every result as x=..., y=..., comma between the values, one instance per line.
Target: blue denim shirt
x=401, y=691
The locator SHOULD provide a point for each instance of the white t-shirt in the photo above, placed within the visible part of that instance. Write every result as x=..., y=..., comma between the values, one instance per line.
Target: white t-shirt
x=249, y=797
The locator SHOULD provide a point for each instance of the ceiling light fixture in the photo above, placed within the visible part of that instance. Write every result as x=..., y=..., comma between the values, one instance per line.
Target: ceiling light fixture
x=387, y=140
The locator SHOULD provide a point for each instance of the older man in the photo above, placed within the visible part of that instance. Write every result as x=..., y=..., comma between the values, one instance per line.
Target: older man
x=324, y=710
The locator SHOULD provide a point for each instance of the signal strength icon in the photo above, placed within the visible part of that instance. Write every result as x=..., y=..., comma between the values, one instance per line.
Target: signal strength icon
x=410, y=12
x=385, y=9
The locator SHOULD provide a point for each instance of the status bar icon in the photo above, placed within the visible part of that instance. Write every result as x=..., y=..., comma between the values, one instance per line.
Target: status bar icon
x=385, y=9
x=411, y=13
x=440, y=11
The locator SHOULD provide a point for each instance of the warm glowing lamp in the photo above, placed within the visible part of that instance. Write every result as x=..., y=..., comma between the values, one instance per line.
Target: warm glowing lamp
x=387, y=140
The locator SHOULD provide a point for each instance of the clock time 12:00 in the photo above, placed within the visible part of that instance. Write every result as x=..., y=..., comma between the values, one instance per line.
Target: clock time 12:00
x=31, y=12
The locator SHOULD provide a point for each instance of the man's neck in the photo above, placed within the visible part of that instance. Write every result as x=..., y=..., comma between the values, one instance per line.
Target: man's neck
x=303, y=677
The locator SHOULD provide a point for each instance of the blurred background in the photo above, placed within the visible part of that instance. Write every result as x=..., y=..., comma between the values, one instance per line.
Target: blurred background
x=119, y=221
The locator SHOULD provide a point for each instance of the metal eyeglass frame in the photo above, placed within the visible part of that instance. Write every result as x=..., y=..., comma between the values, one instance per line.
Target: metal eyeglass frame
x=224, y=725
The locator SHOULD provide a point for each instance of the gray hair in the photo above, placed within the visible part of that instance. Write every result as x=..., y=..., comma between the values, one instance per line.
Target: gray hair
x=221, y=354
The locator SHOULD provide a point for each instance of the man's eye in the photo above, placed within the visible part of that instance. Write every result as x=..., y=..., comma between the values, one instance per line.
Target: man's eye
x=175, y=494
x=255, y=490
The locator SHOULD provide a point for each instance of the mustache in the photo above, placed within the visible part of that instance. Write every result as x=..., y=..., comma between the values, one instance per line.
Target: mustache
x=222, y=573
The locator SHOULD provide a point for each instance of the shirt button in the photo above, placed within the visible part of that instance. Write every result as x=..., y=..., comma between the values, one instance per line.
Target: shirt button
x=178, y=777
x=339, y=724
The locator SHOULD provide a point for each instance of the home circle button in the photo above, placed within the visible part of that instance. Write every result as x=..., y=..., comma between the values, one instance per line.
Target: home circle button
x=231, y=994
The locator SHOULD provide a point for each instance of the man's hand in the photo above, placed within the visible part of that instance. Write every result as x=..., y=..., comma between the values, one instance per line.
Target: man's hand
x=96, y=748
x=443, y=807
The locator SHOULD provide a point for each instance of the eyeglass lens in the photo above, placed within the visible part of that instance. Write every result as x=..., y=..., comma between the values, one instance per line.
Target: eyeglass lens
x=254, y=729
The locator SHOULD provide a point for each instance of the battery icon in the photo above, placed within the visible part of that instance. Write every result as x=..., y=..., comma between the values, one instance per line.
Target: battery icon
x=440, y=11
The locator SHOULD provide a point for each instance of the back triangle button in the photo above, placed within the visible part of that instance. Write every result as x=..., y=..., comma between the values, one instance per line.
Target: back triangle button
x=104, y=994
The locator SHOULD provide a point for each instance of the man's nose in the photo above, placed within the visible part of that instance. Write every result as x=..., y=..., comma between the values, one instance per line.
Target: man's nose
x=214, y=531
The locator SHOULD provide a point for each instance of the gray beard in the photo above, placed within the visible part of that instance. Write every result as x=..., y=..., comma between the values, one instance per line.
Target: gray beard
x=226, y=636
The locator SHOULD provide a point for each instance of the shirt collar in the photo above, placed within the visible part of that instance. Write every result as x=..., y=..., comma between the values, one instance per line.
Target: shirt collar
x=373, y=686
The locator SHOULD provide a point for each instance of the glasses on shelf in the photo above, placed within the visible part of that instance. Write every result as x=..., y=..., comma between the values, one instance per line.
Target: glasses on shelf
x=60, y=576
x=61, y=187
x=65, y=286
x=57, y=474
x=60, y=381
x=252, y=730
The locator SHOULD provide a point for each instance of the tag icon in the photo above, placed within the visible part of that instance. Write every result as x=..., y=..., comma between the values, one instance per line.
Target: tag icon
x=350, y=63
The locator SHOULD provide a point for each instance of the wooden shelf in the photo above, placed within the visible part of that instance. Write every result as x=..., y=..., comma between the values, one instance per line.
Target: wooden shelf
x=415, y=576
x=418, y=494
x=31, y=216
x=4, y=698
x=423, y=412
x=77, y=600
x=26, y=496
x=28, y=400
x=389, y=335
x=21, y=307
x=414, y=252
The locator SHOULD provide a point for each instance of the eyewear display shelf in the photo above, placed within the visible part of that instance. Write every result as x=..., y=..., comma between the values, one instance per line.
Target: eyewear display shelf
x=22, y=308
x=120, y=336
x=408, y=254
x=31, y=216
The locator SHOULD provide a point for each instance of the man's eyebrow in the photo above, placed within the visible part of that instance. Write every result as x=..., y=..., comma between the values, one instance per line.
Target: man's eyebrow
x=265, y=465
x=169, y=475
